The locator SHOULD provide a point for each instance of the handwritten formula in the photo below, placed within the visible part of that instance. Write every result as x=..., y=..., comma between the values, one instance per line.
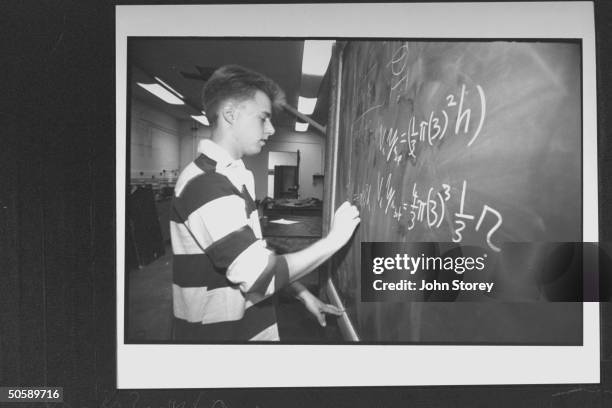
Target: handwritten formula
x=399, y=139
x=397, y=144
x=456, y=117
x=430, y=209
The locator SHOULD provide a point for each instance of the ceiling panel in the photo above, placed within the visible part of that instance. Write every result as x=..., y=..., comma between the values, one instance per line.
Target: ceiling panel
x=278, y=59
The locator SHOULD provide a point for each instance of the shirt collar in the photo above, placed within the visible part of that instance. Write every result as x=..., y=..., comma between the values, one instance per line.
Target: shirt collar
x=218, y=154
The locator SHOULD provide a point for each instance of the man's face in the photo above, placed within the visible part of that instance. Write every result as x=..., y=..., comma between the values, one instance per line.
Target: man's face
x=252, y=123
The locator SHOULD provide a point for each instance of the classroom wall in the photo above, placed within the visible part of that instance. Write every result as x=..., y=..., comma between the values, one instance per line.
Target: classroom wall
x=190, y=134
x=154, y=141
x=312, y=150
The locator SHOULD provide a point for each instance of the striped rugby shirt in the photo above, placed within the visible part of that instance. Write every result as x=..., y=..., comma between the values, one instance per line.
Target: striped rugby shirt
x=223, y=273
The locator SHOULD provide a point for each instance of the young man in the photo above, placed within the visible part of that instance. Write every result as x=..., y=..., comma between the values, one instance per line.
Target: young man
x=223, y=274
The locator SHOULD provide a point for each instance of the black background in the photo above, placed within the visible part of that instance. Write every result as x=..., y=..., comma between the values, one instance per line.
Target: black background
x=57, y=228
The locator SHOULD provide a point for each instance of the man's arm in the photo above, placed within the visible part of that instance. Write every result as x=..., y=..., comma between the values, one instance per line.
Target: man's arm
x=223, y=232
x=344, y=222
x=281, y=270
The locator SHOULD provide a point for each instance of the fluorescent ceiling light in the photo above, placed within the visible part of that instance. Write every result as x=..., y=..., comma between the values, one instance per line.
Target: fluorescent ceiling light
x=306, y=105
x=169, y=87
x=301, y=127
x=202, y=119
x=162, y=93
x=317, y=54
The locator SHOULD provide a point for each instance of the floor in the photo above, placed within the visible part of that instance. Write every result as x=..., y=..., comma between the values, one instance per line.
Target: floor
x=150, y=308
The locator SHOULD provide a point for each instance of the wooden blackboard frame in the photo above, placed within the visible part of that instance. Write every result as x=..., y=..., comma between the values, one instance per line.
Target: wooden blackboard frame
x=329, y=192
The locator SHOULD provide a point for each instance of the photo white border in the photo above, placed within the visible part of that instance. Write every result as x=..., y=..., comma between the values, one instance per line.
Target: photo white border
x=278, y=365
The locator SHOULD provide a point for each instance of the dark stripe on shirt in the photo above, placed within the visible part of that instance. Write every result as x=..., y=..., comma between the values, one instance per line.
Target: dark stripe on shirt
x=223, y=251
x=197, y=270
x=248, y=200
x=281, y=273
x=174, y=214
x=205, y=163
x=256, y=319
x=265, y=277
x=201, y=190
x=277, y=267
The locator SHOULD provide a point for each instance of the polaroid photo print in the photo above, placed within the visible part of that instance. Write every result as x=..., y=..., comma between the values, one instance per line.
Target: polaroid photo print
x=393, y=96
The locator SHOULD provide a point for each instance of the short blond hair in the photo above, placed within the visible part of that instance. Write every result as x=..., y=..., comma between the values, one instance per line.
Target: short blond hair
x=239, y=83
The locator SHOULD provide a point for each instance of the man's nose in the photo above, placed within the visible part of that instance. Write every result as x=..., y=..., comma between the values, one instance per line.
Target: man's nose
x=269, y=130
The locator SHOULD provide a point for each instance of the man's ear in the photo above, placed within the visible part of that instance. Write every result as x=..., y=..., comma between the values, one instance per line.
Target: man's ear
x=229, y=113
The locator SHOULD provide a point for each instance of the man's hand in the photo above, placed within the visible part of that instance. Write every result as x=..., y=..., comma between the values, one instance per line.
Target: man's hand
x=344, y=223
x=318, y=308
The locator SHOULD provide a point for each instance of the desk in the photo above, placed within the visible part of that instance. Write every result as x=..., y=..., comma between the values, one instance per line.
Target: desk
x=294, y=237
x=308, y=226
x=280, y=211
x=279, y=208
x=290, y=238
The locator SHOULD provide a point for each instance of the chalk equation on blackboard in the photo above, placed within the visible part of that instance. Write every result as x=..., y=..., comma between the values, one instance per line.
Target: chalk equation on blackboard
x=399, y=65
x=389, y=140
x=401, y=75
x=430, y=210
x=431, y=130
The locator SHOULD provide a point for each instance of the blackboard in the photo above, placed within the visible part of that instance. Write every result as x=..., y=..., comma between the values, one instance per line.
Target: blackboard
x=474, y=142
